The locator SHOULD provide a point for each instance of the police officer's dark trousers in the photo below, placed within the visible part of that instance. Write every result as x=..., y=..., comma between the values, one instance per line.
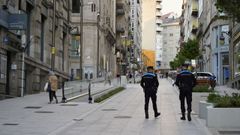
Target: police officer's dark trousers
x=186, y=93
x=153, y=97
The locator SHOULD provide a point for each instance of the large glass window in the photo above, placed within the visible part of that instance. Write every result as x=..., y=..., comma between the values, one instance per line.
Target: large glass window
x=237, y=59
x=3, y=69
x=75, y=46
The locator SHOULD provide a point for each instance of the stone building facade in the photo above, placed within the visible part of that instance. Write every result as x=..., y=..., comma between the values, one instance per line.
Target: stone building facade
x=42, y=51
x=213, y=41
x=98, y=54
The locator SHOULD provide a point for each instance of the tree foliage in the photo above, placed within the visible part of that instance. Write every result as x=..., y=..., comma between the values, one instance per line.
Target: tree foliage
x=231, y=7
x=189, y=51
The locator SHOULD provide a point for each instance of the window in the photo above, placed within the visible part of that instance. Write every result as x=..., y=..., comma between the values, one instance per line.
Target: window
x=75, y=6
x=171, y=34
x=3, y=68
x=43, y=18
x=75, y=46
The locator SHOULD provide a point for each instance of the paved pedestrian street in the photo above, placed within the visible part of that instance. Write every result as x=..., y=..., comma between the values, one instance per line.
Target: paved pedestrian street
x=124, y=115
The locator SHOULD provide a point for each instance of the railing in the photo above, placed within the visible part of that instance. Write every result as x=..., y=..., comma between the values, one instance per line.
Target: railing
x=75, y=89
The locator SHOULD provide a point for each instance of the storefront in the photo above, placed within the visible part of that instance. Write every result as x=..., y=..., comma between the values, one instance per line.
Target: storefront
x=220, y=54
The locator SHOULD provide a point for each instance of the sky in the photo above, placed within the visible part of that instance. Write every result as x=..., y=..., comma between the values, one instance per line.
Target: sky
x=171, y=6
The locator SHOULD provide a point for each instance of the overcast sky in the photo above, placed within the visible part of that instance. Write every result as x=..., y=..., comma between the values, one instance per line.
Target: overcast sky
x=172, y=6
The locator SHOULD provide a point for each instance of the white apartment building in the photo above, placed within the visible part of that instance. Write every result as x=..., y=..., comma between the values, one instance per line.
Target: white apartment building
x=168, y=42
x=151, y=30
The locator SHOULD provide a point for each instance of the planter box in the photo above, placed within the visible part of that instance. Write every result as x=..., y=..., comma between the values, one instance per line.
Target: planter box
x=203, y=109
x=223, y=117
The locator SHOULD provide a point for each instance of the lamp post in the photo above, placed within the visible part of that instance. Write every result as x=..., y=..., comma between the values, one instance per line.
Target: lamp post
x=53, y=36
x=98, y=20
x=81, y=39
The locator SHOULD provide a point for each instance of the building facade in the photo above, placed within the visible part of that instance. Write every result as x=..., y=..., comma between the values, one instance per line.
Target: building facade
x=151, y=30
x=123, y=35
x=96, y=51
x=213, y=41
x=29, y=51
x=189, y=20
x=234, y=53
x=136, y=30
x=168, y=46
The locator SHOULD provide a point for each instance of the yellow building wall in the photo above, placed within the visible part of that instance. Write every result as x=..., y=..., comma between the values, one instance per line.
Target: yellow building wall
x=149, y=58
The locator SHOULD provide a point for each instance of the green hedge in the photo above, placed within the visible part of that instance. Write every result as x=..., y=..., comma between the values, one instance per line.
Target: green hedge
x=202, y=88
x=225, y=101
x=109, y=94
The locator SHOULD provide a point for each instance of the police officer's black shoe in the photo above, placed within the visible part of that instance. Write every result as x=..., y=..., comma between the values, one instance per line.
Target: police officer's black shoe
x=146, y=116
x=157, y=114
x=189, y=116
x=183, y=118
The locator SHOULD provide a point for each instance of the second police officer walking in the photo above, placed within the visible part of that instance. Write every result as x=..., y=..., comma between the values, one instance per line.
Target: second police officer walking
x=150, y=84
x=185, y=81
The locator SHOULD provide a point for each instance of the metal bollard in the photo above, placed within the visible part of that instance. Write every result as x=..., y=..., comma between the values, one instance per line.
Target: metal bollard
x=89, y=93
x=63, y=95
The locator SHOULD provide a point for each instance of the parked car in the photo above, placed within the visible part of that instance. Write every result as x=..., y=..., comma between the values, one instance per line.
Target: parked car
x=205, y=78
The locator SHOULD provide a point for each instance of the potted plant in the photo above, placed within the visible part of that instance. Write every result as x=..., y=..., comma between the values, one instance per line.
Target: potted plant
x=212, y=97
x=225, y=111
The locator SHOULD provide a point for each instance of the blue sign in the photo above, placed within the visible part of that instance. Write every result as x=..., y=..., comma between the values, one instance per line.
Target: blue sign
x=5, y=39
x=17, y=21
x=13, y=21
x=3, y=18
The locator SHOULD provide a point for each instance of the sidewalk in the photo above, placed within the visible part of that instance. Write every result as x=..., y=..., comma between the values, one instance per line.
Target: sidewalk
x=32, y=115
x=124, y=115
x=223, y=89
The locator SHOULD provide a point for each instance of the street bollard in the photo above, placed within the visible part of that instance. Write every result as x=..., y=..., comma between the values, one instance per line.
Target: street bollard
x=63, y=95
x=89, y=93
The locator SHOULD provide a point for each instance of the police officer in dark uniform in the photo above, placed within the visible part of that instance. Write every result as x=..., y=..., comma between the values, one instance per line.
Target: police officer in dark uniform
x=150, y=84
x=185, y=81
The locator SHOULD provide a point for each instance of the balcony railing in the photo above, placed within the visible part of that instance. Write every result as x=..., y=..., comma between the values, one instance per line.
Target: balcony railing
x=158, y=28
x=120, y=12
x=120, y=30
x=195, y=26
x=159, y=14
x=159, y=6
x=159, y=21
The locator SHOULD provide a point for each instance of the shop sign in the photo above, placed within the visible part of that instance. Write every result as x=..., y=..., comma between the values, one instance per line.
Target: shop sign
x=13, y=21
x=5, y=39
x=224, y=48
x=17, y=21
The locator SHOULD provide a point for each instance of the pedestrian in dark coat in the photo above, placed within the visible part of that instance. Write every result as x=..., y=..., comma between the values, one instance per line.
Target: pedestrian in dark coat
x=150, y=84
x=185, y=81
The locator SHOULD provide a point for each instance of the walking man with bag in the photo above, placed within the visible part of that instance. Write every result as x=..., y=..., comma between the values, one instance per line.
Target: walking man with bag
x=185, y=81
x=150, y=84
x=53, y=86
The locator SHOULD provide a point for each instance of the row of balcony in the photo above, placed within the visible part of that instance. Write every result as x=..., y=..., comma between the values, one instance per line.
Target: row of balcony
x=195, y=26
x=194, y=8
x=159, y=6
x=159, y=21
x=158, y=14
